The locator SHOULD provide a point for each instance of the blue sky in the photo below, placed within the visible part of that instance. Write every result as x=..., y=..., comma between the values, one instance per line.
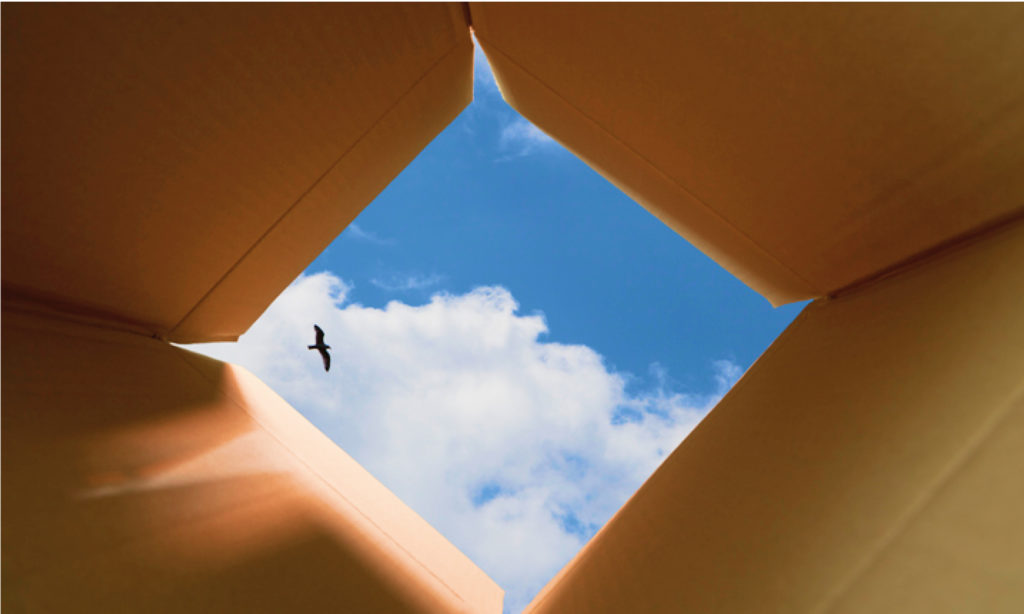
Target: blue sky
x=493, y=201
x=516, y=344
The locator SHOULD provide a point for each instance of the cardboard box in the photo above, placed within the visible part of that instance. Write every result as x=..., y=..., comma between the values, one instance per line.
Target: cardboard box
x=169, y=169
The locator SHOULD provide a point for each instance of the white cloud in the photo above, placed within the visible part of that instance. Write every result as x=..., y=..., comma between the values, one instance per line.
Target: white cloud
x=516, y=449
x=356, y=232
x=517, y=136
x=403, y=283
x=523, y=138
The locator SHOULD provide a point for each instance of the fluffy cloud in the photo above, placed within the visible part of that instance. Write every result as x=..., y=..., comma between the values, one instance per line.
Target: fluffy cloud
x=523, y=138
x=516, y=449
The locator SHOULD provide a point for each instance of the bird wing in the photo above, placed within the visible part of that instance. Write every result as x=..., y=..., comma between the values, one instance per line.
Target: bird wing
x=327, y=359
x=319, y=335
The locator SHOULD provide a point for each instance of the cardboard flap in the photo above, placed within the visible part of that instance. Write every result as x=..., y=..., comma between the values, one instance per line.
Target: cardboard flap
x=176, y=166
x=803, y=147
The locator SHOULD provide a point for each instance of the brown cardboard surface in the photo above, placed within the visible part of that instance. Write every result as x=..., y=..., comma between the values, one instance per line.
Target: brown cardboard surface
x=141, y=477
x=175, y=166
x=803, y=147
x=357, y=178
x=869, y=461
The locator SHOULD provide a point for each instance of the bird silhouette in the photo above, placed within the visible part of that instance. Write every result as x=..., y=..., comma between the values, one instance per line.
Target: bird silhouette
x=321, y=347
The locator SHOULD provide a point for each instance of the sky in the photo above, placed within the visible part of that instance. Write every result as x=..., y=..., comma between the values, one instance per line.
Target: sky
x=516, y=344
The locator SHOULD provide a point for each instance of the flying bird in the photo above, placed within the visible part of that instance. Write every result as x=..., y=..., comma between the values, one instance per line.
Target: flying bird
x=322, y=347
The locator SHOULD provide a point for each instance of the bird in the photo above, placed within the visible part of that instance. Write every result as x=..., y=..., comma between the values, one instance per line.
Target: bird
x=322, y=347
